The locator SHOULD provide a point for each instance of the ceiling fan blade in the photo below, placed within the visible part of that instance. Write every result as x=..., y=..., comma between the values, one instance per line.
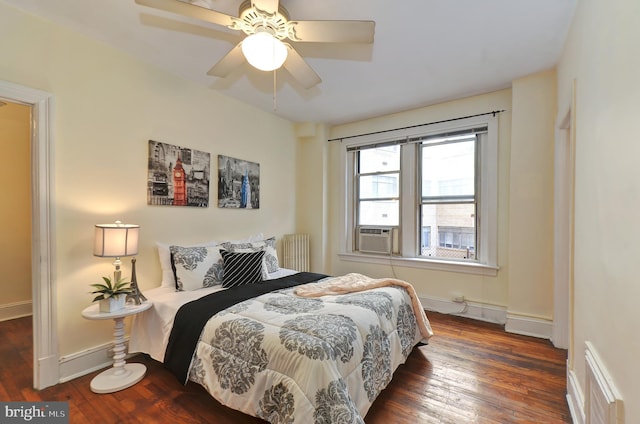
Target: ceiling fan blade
x=333, y=31
x=299, y=69
x=269, y=6
x=228, y=63
x=190, y=10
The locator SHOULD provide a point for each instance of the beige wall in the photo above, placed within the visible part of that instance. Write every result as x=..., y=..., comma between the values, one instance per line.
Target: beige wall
x=15, y=213
x=107, y=105
x=601, y=54
x=311, y=190
x=524, y=285
x=429, y=283
x=531, y=196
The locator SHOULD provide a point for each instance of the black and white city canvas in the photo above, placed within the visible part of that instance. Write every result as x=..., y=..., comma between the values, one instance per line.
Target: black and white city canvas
x=178, y=176
x=238, y=183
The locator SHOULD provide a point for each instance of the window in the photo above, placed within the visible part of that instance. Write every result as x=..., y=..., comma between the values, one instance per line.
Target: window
x=448, y=196
x=426, y=238
x=436, y=185
x=378, y=186
x=461, y=238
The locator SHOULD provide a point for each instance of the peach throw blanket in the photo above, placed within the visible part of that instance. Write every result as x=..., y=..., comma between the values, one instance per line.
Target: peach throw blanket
x=353, y=282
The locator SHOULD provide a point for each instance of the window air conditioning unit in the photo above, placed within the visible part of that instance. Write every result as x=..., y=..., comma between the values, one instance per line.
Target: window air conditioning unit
x=375, y=240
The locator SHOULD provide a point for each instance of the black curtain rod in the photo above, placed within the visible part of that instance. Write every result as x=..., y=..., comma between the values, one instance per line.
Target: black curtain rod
x=418, y=125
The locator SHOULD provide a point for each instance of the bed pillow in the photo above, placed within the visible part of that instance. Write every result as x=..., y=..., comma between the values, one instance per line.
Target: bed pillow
x=166, y=264
x=241, y=268
x=252, y=237
x=268, y=245
x=264, y=269
x=197, y=266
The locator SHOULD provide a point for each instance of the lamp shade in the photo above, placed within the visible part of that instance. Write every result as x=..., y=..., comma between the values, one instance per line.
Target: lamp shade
x=263, y=51
x=115, y=240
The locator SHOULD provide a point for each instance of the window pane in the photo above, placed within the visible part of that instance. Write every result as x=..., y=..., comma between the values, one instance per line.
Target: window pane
x=379, y=212
x=452, y=231
x=448, y=169
x=425, y=241
x=380, y=159
x=378, y=186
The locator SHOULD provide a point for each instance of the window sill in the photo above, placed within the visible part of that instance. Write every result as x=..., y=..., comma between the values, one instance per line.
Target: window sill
x=431, y=264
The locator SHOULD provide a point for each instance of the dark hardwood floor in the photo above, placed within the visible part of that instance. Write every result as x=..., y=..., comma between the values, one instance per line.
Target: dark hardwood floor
x=471, y=372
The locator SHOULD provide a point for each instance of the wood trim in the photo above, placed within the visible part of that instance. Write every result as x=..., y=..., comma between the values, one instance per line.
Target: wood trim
x=529, y=326
x=82, y=363
x=474, y=310
x=45, y=336
x=575, y=398
x=564, y=193
x=15, y=310
x=514, y=323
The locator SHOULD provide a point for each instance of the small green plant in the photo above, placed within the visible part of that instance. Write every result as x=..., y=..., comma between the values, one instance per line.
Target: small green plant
x=108, y=289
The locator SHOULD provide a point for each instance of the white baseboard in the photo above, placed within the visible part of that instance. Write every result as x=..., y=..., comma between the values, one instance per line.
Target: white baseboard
x=85, y=362
x=575, y=398
x=602, y=399
x=47, y=367
x=474, y=310
x=15, y=310
x=517, y=324
x=529, y=326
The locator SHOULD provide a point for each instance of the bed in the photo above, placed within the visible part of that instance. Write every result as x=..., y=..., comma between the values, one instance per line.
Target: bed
x=289, y=348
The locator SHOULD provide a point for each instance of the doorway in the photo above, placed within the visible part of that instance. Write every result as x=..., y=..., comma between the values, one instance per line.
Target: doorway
x=15, y=216
x=45, y=351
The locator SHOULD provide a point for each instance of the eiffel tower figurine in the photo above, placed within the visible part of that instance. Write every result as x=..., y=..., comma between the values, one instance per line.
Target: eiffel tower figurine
x=135, y=294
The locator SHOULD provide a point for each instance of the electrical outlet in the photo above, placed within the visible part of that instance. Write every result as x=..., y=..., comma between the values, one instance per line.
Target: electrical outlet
x=458, y=298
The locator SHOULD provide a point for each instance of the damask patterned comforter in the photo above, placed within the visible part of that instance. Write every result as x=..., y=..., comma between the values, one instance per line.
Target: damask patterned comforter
x=288, y=359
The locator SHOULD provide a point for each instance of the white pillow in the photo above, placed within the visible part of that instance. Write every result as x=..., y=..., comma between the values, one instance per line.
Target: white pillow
x=168, y=276
x=252, y=237
x=268, y=245
x=197, y=267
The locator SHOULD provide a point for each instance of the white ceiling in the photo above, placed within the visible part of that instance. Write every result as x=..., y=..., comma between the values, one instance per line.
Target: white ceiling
x=424, y=51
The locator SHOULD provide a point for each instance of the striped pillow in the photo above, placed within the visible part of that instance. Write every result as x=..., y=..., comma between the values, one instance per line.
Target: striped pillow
x=268, y=245
x=241, y=268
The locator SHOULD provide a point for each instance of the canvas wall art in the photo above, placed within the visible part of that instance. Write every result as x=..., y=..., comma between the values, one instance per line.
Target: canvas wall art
x=178, y=176
x=238, y=183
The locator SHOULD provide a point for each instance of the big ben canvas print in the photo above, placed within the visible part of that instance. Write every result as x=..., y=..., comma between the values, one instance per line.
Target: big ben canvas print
x=177, y=176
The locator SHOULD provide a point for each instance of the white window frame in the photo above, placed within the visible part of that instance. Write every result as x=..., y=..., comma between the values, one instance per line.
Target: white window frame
x=487, y=262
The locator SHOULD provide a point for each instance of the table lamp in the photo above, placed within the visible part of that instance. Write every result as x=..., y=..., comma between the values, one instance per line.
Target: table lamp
x=117, y=240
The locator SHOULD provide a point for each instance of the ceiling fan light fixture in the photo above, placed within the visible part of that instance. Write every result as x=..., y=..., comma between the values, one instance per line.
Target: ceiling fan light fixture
x=263, y=51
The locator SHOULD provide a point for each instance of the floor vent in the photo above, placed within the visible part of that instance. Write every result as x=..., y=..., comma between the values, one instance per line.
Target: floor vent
x=603, y=404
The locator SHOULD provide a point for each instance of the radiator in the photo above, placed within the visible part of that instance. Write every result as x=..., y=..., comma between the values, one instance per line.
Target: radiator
x=296, y=252
x=603, y=403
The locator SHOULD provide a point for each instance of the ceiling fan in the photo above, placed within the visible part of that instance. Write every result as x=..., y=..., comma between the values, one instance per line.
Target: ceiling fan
x=266, y=24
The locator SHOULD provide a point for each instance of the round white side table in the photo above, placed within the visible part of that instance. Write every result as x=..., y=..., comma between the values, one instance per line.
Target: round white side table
x=121, y=375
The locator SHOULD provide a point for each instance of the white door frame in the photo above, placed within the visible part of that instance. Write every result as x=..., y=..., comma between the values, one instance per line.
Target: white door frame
x=564, y=174
x=45, y=335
